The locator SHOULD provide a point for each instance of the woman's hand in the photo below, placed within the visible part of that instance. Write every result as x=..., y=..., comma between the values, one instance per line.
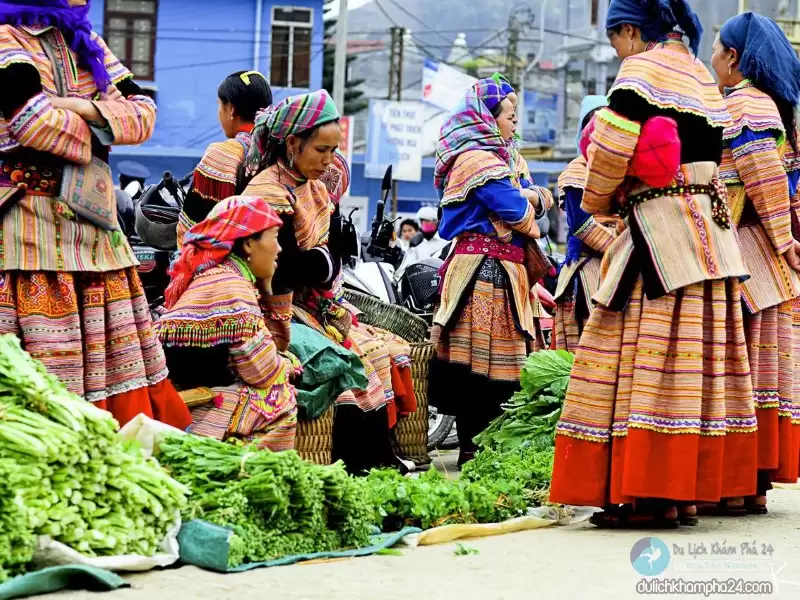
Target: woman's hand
x=83, y=108
x=792, y=255
x=531, y=197
x=112, y=94
x=76, y=105
x=265, y=285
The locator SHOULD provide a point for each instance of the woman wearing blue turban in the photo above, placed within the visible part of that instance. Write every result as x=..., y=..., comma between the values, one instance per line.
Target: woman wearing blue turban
x=759, y=73
x=659, y=411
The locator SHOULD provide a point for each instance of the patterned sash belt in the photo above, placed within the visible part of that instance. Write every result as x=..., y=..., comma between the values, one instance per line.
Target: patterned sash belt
x=35, y=179
x=482, y=244
x=716, y=190
x=489, y=246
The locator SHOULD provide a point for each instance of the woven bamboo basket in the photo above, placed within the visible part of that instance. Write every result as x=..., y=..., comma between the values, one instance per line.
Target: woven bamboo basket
x=314, y=440
x=391, y=317
x=412, y=431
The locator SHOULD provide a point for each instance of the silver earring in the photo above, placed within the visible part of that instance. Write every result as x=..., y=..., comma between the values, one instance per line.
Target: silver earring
x=730, y=70
x=291, y=160
x=249, y=258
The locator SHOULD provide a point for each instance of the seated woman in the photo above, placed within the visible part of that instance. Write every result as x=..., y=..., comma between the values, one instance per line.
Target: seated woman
x=218, y=176
x=486, y=322
x=294, y=146
x=225, y=329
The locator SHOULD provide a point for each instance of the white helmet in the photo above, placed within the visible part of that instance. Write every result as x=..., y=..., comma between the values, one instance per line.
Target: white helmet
x=427, y=213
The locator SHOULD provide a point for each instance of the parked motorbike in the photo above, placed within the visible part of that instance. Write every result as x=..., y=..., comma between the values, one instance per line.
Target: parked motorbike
x=152, y=234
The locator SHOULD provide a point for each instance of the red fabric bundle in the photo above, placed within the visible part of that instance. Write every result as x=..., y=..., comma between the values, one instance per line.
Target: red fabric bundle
x=657, y=157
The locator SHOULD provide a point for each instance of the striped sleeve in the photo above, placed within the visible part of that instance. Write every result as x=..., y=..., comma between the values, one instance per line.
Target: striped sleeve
x=612, y=144
x=40, y=126
x=133, y=119
x=256, y=360
x=758, y=161
x=278, y=316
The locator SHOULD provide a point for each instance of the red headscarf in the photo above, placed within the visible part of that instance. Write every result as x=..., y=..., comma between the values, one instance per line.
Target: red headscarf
x=208, y=243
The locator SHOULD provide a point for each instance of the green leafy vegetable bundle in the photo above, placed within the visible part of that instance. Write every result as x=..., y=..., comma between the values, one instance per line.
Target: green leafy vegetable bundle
x=65, y=474
x=523, y=466
x=276, y=503
x=431, y=500
x=529, y=418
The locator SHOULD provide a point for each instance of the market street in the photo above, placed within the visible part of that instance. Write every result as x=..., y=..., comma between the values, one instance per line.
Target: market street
x=577, y=561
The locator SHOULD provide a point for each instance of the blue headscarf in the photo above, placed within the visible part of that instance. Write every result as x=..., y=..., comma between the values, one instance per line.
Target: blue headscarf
x=766, y=57
x=72, y=22
x=589, y=104
x=656, y=19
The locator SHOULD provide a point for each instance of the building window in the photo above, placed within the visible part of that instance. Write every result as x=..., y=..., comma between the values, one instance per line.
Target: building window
x=291, y=47
x=595, y=11
x=130, y=32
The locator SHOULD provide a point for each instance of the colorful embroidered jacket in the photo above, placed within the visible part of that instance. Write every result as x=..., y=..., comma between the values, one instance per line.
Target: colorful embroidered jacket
x=670, y=241
x=587, y=237
x=755, y=172
x=482, y=196
x=37, y=138
x=220, y=322
x=306, y=259
x=216, y=177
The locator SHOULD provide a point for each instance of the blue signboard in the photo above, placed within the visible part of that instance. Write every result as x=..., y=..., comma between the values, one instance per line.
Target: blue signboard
x=540, y=118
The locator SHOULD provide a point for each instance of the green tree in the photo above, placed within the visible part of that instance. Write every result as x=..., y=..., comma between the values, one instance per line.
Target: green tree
x=354, y=102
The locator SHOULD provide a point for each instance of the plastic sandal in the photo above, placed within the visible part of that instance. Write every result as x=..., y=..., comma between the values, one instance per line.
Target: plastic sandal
x=626, y=517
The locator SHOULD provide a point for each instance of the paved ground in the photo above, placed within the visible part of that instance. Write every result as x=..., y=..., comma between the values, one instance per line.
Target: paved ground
x=556, y=563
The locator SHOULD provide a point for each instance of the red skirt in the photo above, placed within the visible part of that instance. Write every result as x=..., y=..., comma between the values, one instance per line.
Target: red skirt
x=773, y=340
x=94, y=332
x=659, y=403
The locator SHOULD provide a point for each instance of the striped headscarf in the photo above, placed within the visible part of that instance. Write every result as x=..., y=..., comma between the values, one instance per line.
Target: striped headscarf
x=209, y=242
x=293, y=115
x=471, y=127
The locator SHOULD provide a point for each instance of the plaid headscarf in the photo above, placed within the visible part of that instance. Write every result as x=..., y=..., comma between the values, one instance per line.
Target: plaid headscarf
x=293, y=115
x=471, y=127
x=72, y=22
x=766, y=56
x=208, y=243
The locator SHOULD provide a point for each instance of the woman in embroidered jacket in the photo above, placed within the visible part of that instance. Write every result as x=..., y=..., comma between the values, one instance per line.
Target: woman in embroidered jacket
x=220, y=172
x=486, y=321
x=587, y=239
x=223, y=315
x=659, y=412
x=293, y=152
x=68, y=288
x=759, y=72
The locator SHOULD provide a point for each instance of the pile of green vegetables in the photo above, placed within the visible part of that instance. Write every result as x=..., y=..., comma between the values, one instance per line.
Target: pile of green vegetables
x=493, y=487
x=529, y=418
x=65, y=475
x=509, y=474
x=275, y=503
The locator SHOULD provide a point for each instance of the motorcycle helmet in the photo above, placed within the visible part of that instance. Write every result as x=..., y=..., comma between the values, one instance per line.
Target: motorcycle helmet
x=419, y=285
x=156, y=221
